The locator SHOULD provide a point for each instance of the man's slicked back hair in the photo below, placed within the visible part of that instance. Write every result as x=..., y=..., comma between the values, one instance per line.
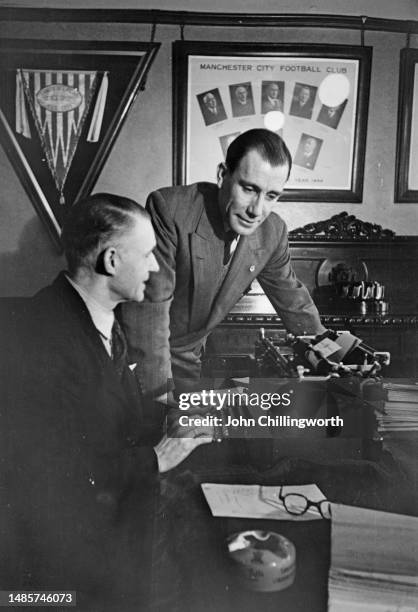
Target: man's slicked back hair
x=92, y=222
x=268, y=145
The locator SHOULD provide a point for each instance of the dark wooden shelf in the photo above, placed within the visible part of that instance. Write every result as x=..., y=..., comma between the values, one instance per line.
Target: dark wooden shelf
x=197, y=18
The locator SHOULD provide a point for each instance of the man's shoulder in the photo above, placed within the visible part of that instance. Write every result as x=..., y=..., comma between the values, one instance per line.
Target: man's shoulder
x=53, y=295
x=181, y=194
x=182, y=203
x=274, y=224
x=37, y=307
x=40, y=325
x=55, y=309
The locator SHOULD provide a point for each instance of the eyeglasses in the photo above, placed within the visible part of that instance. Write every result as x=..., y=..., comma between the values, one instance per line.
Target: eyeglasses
x=297, y=504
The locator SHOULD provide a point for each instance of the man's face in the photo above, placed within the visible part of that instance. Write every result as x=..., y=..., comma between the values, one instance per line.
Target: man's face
x=246, y=196
x=273, y=91
x=309, y=146
x=210, y=102
x=241, y=95
x=134, y=261
x=304, y=95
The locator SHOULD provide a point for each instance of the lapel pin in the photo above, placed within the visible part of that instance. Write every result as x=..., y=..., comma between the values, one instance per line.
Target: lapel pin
x=252, y=268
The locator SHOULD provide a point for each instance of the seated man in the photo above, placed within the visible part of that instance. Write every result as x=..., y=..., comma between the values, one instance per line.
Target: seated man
x=212, y=242
x=78, y=468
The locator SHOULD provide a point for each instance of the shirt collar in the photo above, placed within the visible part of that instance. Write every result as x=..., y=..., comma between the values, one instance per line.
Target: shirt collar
x=103, y=318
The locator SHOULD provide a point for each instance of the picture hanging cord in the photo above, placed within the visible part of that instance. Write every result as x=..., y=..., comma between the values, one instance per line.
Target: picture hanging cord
x=408, y=39
x=182, y=31
x=363, y=22
x=153, y=30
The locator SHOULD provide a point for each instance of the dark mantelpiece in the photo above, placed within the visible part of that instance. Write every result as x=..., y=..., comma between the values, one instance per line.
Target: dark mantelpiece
x=341, y=227
x=376, y=254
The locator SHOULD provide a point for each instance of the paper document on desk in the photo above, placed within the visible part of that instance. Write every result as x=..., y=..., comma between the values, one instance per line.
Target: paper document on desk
x=256, y=501
x=374, y=561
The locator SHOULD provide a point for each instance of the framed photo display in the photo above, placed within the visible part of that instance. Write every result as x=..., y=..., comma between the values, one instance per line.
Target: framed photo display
x=406, y=177
x=224, y=89
x=62, y=104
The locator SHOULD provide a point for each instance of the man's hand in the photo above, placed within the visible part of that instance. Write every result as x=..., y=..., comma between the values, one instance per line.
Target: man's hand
x=178, y=443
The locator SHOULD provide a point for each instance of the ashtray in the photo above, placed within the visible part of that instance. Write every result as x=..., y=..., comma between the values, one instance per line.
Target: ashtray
x=262, y=560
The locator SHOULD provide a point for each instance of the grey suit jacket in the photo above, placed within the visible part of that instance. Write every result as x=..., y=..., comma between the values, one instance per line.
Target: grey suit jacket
x=184, y=303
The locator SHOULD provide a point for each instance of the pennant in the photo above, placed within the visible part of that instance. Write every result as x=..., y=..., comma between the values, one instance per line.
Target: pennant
x=59, y=102
x=62, y=106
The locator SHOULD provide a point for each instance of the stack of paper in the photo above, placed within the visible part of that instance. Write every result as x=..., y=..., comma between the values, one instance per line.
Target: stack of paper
x=401, y=408
x=374, y=561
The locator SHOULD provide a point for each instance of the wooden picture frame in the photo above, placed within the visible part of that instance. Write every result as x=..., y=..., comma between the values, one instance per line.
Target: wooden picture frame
x=216, y=74
x=62, y=105
x=406, y=167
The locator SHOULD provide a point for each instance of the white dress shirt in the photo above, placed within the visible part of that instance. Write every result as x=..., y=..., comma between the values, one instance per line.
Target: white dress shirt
x=103, y=318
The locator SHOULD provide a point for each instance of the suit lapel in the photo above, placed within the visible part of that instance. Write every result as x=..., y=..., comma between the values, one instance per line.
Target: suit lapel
x=207, y=248
x=246, y=264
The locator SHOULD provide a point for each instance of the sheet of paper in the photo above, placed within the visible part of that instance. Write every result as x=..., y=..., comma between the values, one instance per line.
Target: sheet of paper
x=327, y=347
x=256, y=501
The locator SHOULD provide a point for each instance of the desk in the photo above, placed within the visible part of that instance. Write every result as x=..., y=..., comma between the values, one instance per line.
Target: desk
x=196, y=541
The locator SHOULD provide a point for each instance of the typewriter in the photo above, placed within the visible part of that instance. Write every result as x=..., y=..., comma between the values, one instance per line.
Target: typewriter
x=333, y=354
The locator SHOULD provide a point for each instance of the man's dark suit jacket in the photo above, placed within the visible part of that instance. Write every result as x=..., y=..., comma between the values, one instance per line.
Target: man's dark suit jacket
x=242, y=110
x=306, y=161
x=184, y=304
x=79, y=481
x=301, y=110
x=210, y=117
x=331, y=116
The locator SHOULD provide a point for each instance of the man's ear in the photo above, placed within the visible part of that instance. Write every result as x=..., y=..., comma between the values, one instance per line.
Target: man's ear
x=109, y=261
x=220, y=174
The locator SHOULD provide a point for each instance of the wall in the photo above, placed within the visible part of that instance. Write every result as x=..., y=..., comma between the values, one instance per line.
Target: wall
x=141, y=159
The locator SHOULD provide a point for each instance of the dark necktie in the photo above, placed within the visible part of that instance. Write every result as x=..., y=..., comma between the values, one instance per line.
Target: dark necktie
x=119, y=349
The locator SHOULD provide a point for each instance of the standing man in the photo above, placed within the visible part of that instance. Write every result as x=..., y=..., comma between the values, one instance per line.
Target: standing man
x=77, y=465
x=212, y=242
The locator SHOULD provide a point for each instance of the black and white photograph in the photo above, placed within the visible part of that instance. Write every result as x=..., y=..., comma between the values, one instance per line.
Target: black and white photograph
x=212, y=107
x=242, y=102
x=331, y=115
x=208, y=306
x=272, y=96
x=307, y=152
x=333, y=72
x=303, y=100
